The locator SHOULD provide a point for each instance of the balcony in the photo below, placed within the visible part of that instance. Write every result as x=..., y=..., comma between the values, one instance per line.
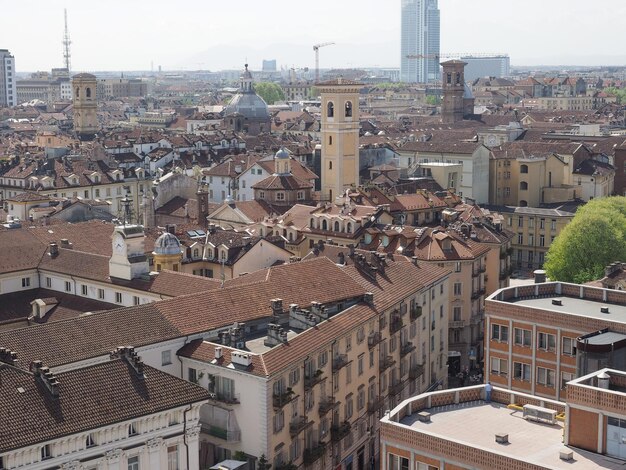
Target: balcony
x=373, y=339
x=339, y=431
x=310, y=382
x=340, y=361
x=281, y=399
x=478, y=293
x=298, y=424
x=395, y=325
x=456, y=324
x=228, y=398
x=313, y=454
x=326, y=404
x=415, y=313
x=385, y=363
x=374, y=405
x=396, y=388
x=221, y=433
x=406, y=348
x=416, y=371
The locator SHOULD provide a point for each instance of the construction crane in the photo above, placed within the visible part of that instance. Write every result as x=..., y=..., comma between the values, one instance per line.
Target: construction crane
x=316, y=48
x=450, y=55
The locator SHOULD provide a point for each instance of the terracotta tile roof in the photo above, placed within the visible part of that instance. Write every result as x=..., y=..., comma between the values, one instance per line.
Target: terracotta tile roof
x=282, y=182
x=298, y=348
x=88, y=399
x=15, y=307
x=29, y=196
x=204, y=351
x=297, y=169
x=19, y=250
x=235, y=162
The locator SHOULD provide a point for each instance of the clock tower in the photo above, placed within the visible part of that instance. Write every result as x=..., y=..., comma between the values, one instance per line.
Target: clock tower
x=128, y=259
x=85, y=106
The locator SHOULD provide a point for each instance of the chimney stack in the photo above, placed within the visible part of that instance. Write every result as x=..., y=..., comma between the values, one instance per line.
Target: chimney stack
x=8, y=357
x=46, y=376
x=277, y=307
x=54, y=250
x=275, y=335
x=540, y=276
x=128, y=353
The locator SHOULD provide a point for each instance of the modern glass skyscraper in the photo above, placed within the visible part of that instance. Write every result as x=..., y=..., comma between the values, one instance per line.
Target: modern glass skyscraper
x=419, y=37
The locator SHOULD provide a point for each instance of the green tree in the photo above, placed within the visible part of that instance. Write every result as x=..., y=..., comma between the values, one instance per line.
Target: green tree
x=620, y=93
x=263, y=464
x=594, y=238
x=432, y=100
x=270, y=92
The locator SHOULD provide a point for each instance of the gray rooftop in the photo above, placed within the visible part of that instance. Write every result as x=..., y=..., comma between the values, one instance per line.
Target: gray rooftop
x=476, y=423
x=576, y=306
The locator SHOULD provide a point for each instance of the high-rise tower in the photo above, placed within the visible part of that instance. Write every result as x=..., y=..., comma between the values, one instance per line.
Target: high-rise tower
x=340, y=136
x=66, y=45
x=8, y=89
x=419, y=39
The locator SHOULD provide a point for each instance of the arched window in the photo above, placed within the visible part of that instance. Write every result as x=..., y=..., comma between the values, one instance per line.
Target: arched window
x=523, y=203
x=312, y=223
x=324, y=225
x=77, y=92
x=349, y=227
x=449, y=78
x=330, y=109
x=523, y=169
x=88, y=92
x=523, y=185
x=336, y=226
x=348, y=111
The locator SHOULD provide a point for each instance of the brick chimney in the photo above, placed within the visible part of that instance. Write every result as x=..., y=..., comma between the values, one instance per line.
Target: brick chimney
x=45, y=375
x=8, y=357
x=275, y=335
x=301, y=319
x=277, y=307
x=130, y=356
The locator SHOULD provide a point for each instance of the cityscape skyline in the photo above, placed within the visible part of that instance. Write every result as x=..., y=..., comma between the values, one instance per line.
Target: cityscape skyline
x=215, y=42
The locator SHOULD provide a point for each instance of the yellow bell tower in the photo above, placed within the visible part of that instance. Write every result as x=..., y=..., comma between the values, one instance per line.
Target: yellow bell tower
x=340, y=136
x=85, y=105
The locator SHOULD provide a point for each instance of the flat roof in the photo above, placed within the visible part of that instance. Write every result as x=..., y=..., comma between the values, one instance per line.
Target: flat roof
x=575, y=306
x=476, y=423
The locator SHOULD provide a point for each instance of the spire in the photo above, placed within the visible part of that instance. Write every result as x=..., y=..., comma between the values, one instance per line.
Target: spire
x=246, y=81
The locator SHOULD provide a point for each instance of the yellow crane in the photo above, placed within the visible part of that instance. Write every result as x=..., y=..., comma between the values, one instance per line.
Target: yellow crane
x=316, y=48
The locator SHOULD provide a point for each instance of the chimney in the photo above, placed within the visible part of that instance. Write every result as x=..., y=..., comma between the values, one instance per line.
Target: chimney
x=301, y=319
x=241, y=359
x=341, y=258
x=540, y=276
x=414, y=259
x=128, y=353
x=238, y=335
x=65, y=243
x=46, y=377
x=604, y=380
x=275, y=335
x=317, y=308
x=224, y=338
x=368, y=298
x=54, y=250
x=277, y=307
x=218, y=352
x=8, y=357
x=351, y=248
x=171, y=228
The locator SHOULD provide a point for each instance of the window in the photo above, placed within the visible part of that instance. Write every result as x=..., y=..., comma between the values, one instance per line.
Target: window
x=322, y=358
x=553, y=224
x=545, y=376
x=457, y=267
x=348, y=373
x=499, y=332
x=396, y=462
x=166, y=357
x=521, y=371
x=101, y=293
x=360, y=364
x=330, y=163
x=542, y=240
x=68, y=286
x=172, y=458
x=46, y=452
x=294, y=450
x=118, y=297
x=133, y=463
x=192, y=375
x=523, y=186
x=360, y=401
x=300, y=195
x=546, y=341
x=83, y=289
x=457, y=288
x=520, y=238
x=566, y=377
x=348, y=111
x=569, y=346
x=523, y=169
x=456, y=315
x=542, y=223
x=279, y=421
x=26, y=282
x=349, y=407
x=523, y=337
x=294, y=376
x=90, y=441
x=520, y=221
x=280, y=196
x=499, y=366
x=48, y=282
x=136, y=300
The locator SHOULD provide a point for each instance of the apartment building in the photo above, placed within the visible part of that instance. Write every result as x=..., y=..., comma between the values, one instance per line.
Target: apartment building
x=513, y=430
x=8, y=91
x=325, y=375
x=541, y=336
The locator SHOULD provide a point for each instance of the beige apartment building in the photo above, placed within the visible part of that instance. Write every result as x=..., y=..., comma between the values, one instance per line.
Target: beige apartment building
x=310, y=389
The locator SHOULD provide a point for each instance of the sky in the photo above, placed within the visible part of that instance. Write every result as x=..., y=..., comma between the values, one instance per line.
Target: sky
x=213, y=35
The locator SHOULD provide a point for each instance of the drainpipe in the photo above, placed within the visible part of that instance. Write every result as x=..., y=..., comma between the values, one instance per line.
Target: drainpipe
x=185, y=433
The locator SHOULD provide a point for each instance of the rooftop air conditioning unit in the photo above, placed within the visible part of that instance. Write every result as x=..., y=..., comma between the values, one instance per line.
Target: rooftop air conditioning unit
x=539, y=414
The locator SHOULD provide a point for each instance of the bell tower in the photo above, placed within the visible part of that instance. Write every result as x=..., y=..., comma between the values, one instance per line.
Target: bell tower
x=453, y=84
x=85, y=105
x=340, y=136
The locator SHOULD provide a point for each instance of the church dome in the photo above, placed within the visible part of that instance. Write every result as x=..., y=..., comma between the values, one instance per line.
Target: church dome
x=282, y=154
x=246, y=102
x=167, y=244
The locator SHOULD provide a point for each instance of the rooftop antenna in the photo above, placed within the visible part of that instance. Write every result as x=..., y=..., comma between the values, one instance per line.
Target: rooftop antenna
x=66, y=44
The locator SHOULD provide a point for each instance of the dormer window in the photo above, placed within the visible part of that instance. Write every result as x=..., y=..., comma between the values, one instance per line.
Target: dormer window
x=74, y=180
x=118, y=177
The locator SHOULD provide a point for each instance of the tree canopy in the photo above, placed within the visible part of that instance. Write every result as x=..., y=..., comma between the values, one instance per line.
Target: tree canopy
x=270, y=92
x=594, y=238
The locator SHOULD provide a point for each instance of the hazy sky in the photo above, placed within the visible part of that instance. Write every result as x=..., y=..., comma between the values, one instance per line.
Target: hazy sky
x=214, y=34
